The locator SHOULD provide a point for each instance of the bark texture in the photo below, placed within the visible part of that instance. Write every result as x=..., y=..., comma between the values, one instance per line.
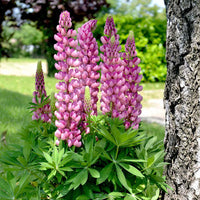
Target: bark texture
x=182, y=100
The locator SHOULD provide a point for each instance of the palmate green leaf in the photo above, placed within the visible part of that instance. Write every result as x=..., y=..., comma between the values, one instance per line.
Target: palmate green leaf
x=117, y=135
x=130, y=197
x=105, y=173
x=11, y=179
x=67, y=169
x=64, y=191
x=52, y=174
x=6, y=190
x=150, y=161
x=104, y=132
x=22, y=160
x=23, y=182
x=45, y=166
x=79, y=179
x=27, y=150
x=60, y=155
x=66, y=158
x=94, y=173
x=115, y=194
x=131, y=138
x=48, y=157
x=132, y=170
x=122, y=178
x=151, y=142
x=55, y=156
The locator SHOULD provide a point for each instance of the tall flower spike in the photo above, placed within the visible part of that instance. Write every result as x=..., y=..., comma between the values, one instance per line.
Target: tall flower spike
x=131, y=74
x=42, y=108
x=113, y=83
x=70, y=95
x=89, y=66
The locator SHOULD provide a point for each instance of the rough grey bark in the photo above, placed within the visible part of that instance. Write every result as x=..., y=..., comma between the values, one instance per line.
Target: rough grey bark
x=182, y=100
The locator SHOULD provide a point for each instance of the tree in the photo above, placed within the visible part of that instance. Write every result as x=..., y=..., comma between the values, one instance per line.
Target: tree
x=6, y=7
x=182, y=100
x=46, y=14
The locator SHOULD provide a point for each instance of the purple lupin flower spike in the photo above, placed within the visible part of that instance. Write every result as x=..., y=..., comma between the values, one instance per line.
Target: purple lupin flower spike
x=42, y=110
x=89, y=67
x=69, y=104
x=113, y=82
x=131, y=74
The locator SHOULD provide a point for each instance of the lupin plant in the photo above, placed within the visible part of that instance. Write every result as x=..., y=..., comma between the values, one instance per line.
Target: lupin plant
x=113, y=162
x=131, y=74
x=77, y=64
x=113, y=82
x=40, y=103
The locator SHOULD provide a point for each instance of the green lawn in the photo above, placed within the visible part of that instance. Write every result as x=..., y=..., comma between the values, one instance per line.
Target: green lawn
x=16, y=93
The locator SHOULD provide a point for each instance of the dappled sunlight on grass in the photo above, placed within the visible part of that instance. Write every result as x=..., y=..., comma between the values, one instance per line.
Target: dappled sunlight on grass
x=14, y=114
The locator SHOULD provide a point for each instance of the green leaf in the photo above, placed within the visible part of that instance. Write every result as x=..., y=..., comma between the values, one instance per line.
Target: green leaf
x=67, y=169
x=80, y=178
x=156, y=196
x=5, y=189
x=48, y=157
x=45, y=166
x=23, y=182
x=64, y=191
x=150, y=161
x=104, y=132
x=116, y=194
x=52, y=174
x=132, y=160
x=11, y=180
x=65, y=159
x=22, y=160
x=150, y=142
x=55, y=156
x=82, y=197
x=88, y=190
x=105, y=172
x=60, y=155
x=132, y=170
x=94, y=173
x=130, y=197
x=26, y=150
x=122, y=178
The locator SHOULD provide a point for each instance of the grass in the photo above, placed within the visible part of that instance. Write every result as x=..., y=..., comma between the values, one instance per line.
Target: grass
x=16, y=93
x=20, y=60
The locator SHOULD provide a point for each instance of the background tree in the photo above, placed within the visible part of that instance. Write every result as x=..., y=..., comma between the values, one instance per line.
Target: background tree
x=46, y=14
x=6, y=8
x=182, y=99
x=148, y=22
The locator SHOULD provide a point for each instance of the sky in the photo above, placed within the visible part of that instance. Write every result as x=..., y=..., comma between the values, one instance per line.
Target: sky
x=159, y=3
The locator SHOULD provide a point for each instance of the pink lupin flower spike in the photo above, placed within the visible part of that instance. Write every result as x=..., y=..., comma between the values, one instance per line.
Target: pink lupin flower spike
x=131, y=74
x=69, y=104
x=89, y=51
x=39, y=96
x=113, y=88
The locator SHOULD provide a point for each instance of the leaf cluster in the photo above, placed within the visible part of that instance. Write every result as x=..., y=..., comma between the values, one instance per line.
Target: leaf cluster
x=114, y=163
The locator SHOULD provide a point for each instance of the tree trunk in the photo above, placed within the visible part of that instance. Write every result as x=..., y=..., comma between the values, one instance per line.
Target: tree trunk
x=182, y=100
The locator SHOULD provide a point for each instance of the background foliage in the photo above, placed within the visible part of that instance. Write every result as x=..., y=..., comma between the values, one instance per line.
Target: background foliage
x=147, y=21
